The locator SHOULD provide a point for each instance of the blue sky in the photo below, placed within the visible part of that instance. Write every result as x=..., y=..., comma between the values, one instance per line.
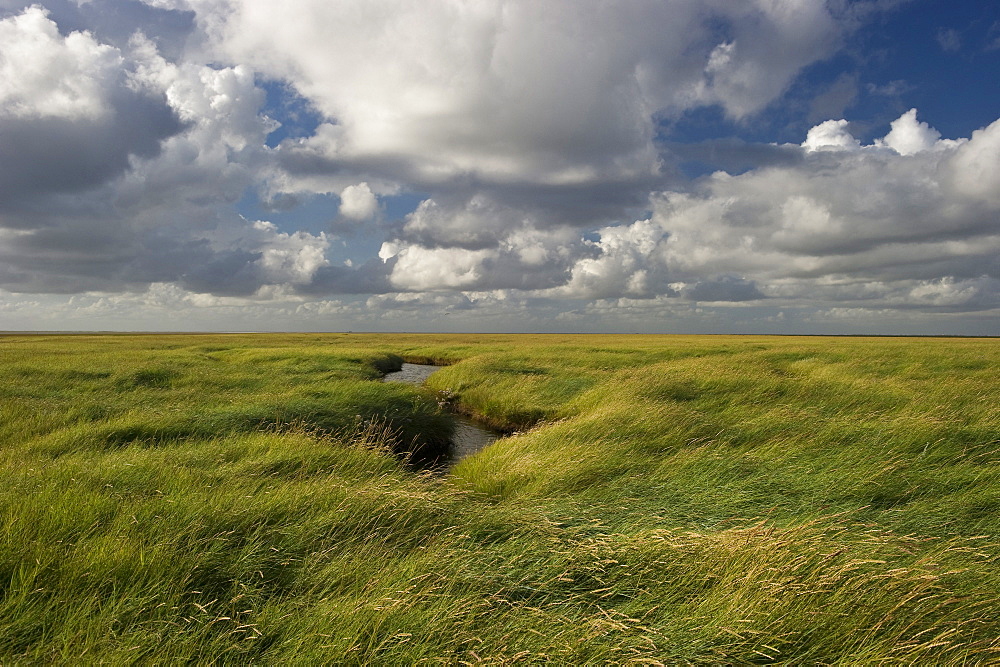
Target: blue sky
x=719, y=166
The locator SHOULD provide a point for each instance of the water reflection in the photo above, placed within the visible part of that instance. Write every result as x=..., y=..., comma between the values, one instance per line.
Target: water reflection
x=411, y=374
x=470, y=436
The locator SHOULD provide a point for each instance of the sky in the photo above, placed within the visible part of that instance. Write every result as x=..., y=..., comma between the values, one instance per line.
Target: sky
x=653, y=166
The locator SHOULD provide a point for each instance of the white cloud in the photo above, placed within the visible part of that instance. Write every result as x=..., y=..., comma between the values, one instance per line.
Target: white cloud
x=948, y=291
x=539, y=248
x=522, y=258
x=43, y=74
x=622, y=265
x=290, y=258
x=475, y=222
x=358, y=202
x=119, y=169
x=908, y=136
x=914, y=226
x=974, y=168
x=830, y=135
x=223, y=101
x=71, y=114
x=848, y=224
x=419, y=268
x=558, y=92
x=529, y=130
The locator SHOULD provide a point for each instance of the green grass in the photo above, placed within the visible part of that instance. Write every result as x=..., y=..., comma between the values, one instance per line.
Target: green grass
x=240, y=499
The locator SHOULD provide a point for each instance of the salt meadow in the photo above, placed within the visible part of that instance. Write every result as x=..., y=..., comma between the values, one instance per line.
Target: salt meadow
x=663, y=499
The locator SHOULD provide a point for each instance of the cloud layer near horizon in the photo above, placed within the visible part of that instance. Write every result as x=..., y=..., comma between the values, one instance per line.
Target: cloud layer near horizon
x=532, y=135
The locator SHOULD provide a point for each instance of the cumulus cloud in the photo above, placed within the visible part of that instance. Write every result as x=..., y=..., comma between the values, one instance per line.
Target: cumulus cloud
x=909, y=221
x=43, y=74
x=115, y=22
x=358, y=202
x=420, y=268
x=476, y=222
x=559, y=92
x=525, y=258
x=974, y=168
x=289, y=258
x=119, y=169
x=906, y=222
x=622, y=266
x=532, y=142
x=71, y=114
x=830, y=135
x=480, y=244
x=909, y=136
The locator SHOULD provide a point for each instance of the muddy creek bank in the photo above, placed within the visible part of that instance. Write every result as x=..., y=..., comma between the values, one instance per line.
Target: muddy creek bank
x=470, y=436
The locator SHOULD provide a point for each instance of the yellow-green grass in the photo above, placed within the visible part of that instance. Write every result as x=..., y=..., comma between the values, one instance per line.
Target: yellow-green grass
x=236, y=498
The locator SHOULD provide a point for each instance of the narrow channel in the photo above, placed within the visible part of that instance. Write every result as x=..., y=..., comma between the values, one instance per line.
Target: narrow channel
x=470, y=436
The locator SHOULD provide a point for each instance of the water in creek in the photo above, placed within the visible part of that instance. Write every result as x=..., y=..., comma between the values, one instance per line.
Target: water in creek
x=470, y=436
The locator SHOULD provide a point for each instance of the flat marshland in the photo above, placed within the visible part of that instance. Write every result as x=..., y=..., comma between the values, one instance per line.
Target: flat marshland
x=240, y=498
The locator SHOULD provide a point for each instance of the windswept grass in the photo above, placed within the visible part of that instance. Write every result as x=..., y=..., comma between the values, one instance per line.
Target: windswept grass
x=667, y=499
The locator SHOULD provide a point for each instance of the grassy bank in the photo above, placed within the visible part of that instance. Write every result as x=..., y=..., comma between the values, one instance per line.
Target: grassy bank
x=673, y=499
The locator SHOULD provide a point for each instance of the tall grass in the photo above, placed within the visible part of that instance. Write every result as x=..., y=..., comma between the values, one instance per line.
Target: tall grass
x=666, y=499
